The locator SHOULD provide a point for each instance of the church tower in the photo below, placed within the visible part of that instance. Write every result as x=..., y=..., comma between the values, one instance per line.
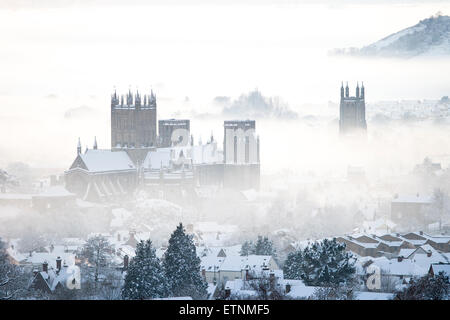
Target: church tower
x=352, y=113
x=133, y=121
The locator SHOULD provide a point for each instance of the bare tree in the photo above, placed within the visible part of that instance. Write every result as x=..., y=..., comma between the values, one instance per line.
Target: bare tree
x=31, y=241
x=111, y=288
x=97, y=254
x=13, y=281
x=388, y=283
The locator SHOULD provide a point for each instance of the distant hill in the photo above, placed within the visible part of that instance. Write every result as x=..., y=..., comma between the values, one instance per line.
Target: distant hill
x=429, y=37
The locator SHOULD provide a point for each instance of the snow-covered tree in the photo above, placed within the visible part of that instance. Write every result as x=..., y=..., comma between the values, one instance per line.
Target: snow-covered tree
x=291, y=268
x=333, y=292
x=247, y=248
x=321, y=264
x=182, y=266
x=262, y=246
x=32, y=240
x=265, y=290
x=145, y=278
x=97, y=253
x=429, y=287
x=12, y=280
x=111, y=288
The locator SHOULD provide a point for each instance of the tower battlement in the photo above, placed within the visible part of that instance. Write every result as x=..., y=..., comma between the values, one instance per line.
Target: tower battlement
x=133, y=101
x=133, y=120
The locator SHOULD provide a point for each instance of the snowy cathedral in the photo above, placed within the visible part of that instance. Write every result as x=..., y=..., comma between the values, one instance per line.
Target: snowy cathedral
x=166, y=164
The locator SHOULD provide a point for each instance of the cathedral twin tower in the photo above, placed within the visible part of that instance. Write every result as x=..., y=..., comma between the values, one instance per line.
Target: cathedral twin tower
x=352, y=117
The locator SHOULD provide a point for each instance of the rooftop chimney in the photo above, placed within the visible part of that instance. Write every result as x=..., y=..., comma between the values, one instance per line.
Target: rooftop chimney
x=125, y=262
x=429, y=253
x=227, y=292
x=58, y=264
x=272, y=280
x=400, y=259
x=45, y=266
x=421, y=233
x=288, y=287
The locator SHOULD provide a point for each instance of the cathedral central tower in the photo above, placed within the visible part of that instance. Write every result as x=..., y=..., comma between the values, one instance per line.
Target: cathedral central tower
x=133, y=120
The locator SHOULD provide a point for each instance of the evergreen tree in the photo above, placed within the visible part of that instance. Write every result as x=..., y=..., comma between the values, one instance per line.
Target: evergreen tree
x=182, y=266
x=145, y=278
x=247, y=248
x=429, y=287
x=264, y=247
x=321, y=264
x=291, y=268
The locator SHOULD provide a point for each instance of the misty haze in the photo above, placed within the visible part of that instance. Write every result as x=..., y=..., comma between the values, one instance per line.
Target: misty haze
x=243, y=151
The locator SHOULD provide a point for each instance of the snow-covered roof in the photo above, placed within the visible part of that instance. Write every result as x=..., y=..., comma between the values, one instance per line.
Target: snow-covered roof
x=211, y=263
x=238, y=263
x=157, y=159
x=441, y=268
x=53, y=278
x=232, y=250
x=107, y=160
x=437, y=239
x=406, y=267
x=373, y=295
x=405, y=253
x=368, y=245
x=238, y=287
x=125, y=249
x=55, y=191
x=292, y=282
x=15, y=196
x=413, y=199
x=41, y=257
x=301, y=292
x=73, y=241
x=213, y=251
